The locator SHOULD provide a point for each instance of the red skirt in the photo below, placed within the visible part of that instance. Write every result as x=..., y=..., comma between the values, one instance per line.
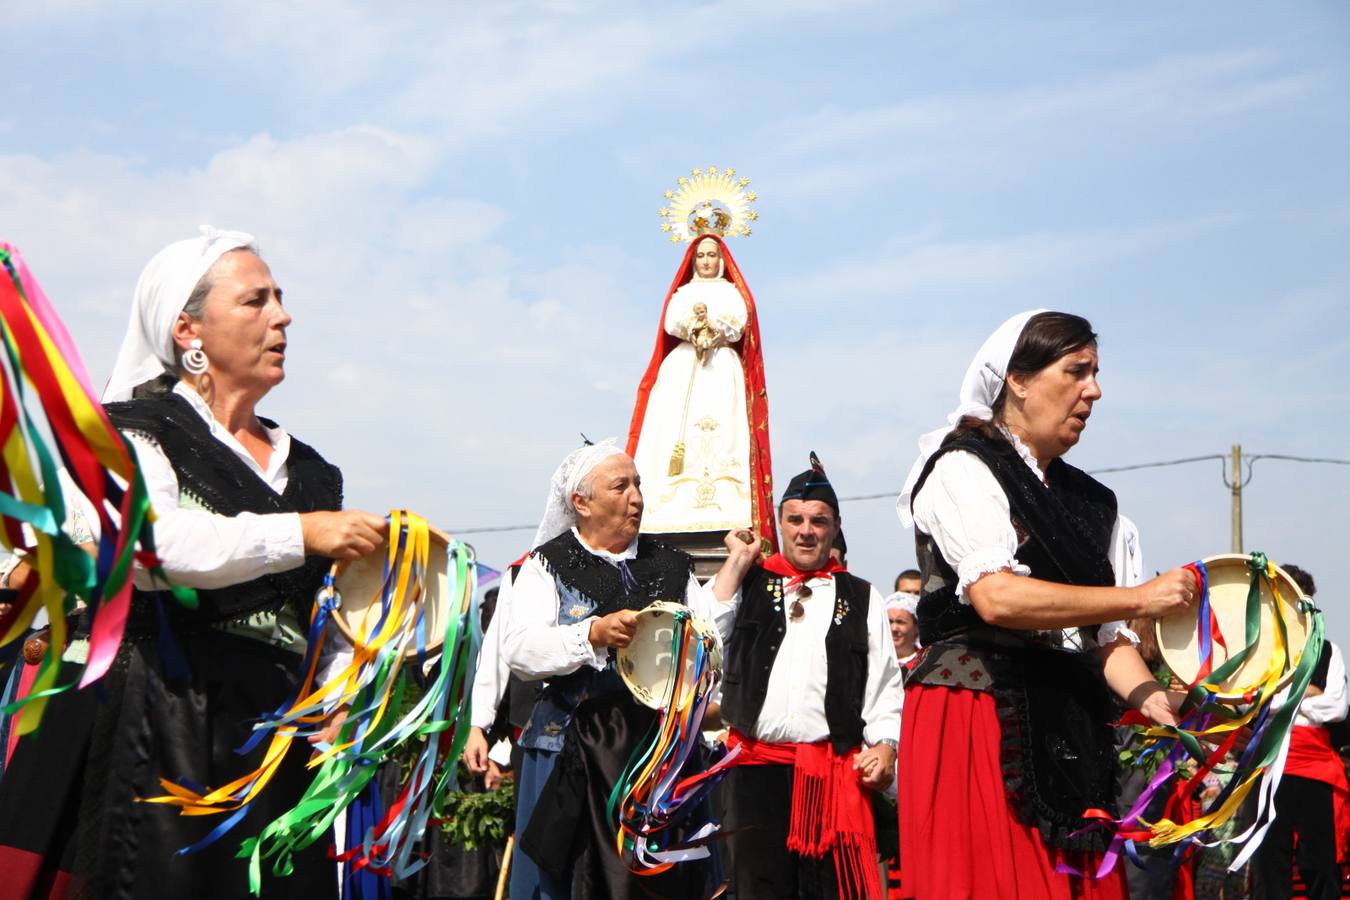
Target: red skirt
x=959, y=837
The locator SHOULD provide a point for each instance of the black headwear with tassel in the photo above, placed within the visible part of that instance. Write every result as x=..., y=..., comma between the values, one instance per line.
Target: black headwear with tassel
x=812, y=484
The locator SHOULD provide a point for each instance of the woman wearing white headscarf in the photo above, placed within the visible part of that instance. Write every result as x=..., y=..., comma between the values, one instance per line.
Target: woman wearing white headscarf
x=1007, y=738
x=247, y=515
x=572, y=604
x=902, y=614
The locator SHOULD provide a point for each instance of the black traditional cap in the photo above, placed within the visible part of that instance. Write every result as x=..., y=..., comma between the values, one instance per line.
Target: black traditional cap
x=839, y=543
x=812, y=485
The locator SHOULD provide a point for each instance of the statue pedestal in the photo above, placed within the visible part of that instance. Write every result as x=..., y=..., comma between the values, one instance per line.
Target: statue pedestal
x=706, y=547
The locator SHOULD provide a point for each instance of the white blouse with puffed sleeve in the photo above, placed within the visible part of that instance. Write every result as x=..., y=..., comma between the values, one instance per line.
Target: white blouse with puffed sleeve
x=965, y=510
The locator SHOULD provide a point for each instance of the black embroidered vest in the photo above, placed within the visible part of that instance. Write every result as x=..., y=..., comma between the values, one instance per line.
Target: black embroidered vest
x=212, y=476
x=1064, y=525
x=588, y=585
x=1057, y=749
x=761, y=622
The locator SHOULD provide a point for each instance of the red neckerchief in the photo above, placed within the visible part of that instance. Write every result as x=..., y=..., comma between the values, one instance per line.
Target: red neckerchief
x=779, y=565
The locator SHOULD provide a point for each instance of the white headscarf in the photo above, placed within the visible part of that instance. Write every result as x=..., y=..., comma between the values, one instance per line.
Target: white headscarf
x=559, y=513
x=979, y=390
x=903, y=600
x=161, y=293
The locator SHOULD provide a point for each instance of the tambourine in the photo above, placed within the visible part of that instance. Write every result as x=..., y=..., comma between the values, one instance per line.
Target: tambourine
x=360, y=585
x=1229, y=576
x=648, y=665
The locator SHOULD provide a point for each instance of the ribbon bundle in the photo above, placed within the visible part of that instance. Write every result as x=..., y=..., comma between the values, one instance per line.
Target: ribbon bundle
x=366, y=704
x=1210, y=731
x=62, y=408
x=651, y=797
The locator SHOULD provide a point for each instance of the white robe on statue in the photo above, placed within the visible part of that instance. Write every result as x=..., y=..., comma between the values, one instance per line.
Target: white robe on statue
x=712, y=493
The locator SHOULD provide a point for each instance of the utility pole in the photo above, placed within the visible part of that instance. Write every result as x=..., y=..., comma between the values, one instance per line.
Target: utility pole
x=1236, y=483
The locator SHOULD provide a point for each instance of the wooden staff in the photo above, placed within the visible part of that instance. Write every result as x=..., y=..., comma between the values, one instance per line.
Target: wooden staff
x=506, y=869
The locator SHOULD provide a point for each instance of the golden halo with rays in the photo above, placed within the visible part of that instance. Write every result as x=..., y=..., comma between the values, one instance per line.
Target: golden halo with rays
x=709, y=201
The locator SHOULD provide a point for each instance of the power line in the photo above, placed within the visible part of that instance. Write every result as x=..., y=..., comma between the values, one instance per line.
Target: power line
x=895, y=493
x=1155, y=465
x=1306, y=459
x=887, y=494
x=493, y=528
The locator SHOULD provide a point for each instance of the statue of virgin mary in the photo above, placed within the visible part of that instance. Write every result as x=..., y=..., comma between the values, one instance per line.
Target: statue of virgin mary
x=700, y=429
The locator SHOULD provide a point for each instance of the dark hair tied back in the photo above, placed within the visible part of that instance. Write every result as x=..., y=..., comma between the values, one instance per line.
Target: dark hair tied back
x=1047, y=337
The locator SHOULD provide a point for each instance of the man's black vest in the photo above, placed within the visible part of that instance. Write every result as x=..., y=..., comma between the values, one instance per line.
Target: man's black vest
x=761, y=622
x=220, y=482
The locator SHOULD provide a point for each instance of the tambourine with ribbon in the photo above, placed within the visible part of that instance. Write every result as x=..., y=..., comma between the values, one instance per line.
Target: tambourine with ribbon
x=672, y=654
x=1252, y=635
x=397, y=606
x=672, y=665
x=361, y=591
x=1268, y=628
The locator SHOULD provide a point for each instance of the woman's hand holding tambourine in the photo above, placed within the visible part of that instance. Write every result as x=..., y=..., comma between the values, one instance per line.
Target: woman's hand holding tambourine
x=614, y=630
x=342, y=534
x=1171, y=592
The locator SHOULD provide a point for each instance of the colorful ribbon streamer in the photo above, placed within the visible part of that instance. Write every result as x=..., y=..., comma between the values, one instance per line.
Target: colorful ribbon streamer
x=1210, y=724
x=651, y=797
x=39, y=352
x=366, y=699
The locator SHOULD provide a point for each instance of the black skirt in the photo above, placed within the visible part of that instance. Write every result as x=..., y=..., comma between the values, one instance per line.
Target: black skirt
x=69, y=817
x=571, y=835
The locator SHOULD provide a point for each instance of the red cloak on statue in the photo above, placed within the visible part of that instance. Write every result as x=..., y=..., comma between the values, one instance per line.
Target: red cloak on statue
x=756, y=398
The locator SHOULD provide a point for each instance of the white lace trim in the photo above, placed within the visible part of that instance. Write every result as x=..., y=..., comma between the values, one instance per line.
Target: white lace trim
x=630, y=552
x=1024, y=452
x=982, y=562
x=1114, y=631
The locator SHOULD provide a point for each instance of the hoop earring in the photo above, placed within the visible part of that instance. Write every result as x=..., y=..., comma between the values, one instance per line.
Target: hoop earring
x=194, y=359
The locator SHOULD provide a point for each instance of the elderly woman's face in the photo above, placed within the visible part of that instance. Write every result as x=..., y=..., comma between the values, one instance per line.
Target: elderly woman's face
x=706, y=258
x=243, y=324
x=613, y=512
x=1058, y=400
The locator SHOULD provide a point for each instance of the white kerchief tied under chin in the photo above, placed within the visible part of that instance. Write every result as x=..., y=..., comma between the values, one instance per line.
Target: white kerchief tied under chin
x=161, y=293
x=559, y=513
x=903, y=600
x=979, y=389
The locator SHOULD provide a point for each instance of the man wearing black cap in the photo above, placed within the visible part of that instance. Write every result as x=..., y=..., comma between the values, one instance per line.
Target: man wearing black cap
x=811, y=691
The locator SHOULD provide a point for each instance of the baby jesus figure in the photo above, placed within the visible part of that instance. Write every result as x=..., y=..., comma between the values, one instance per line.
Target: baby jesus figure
x=701, y=333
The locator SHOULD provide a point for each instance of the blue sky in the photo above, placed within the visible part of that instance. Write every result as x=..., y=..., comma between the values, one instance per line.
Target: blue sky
x=460, y=201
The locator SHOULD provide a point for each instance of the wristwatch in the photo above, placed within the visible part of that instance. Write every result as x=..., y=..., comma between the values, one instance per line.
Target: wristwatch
x=894, y=745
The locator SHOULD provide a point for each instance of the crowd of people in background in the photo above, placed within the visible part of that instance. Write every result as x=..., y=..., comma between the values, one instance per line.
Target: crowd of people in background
x=1307, y=852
